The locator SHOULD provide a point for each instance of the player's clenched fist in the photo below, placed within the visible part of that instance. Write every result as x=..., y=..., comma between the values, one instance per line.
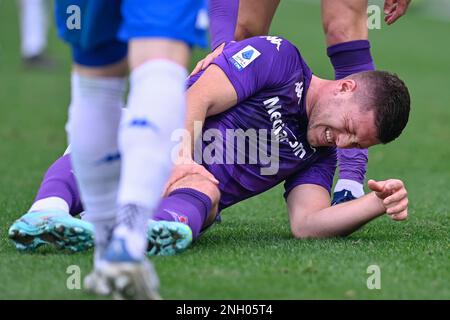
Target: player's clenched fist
x=393, y=196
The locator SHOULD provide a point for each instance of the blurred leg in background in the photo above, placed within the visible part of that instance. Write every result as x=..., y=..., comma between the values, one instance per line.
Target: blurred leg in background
x=34, y=32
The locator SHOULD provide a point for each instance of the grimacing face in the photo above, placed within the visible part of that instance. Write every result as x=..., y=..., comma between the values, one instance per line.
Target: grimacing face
x=338, y=121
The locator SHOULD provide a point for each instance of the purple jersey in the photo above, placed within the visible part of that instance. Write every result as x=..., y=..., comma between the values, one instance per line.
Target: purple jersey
x=271, y=80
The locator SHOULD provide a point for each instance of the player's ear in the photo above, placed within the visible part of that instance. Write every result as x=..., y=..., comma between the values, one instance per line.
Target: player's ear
x=347, y=85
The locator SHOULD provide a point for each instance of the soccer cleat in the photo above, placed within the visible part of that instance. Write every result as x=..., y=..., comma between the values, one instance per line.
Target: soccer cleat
x=126, y=278
x=166, y=238
x=41, y=61
x=72, y=233
x=132, y=280
x=342, y=196
x=35, y=229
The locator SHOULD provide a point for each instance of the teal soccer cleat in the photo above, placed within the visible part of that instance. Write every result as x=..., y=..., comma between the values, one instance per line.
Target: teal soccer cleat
x=58, y=228
x=166, y=238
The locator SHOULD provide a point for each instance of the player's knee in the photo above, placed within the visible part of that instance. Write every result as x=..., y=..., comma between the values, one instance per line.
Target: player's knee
x=118, y=69
x=211, y=190
x=143, y=50
x=247, y=28
x=199, y=183
x=340, y=30
x=242, y=32
x=347, y=22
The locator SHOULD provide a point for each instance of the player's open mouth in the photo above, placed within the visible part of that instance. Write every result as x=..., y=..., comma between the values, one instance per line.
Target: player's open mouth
x=329, y=136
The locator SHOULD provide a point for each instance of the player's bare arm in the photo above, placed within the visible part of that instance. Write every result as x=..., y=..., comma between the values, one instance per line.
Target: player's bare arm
x=212, y=94
x=311, y=216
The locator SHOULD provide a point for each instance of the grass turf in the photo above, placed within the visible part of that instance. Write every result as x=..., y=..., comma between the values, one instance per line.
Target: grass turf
x=251, y=255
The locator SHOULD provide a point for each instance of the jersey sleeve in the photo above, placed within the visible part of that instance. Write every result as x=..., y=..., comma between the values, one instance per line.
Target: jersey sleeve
x=321, y=173
x=223, y=15
x=258, y=63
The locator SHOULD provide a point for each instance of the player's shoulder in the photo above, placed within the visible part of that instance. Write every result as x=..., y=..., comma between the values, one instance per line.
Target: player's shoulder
x=272, y=51
x=276, y=43
x=264, y=44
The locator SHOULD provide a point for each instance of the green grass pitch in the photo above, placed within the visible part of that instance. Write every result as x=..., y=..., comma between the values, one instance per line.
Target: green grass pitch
x=251, y=255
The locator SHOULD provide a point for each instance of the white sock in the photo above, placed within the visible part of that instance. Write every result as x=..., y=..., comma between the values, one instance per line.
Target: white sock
x=356, y=188
x=156, y=106
x=50, y=203
x=94, y=118
x=103, y=230
x=132, y=226
x=157, y=96
x=34, y=26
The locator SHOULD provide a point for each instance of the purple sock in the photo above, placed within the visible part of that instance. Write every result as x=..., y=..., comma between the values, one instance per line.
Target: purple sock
x=352, y=164
x=60, y=182
x=349, y=58
x=185, y=205
x=223, y=15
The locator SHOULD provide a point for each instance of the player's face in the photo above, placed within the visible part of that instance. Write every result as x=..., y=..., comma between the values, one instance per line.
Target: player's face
x=338, y=122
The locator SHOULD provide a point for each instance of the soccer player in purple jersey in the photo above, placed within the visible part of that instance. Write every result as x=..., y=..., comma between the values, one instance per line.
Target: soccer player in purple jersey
x=345, y=26
x=261, y=84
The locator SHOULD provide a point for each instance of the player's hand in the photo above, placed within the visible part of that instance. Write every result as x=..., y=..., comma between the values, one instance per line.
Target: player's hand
x=393, y=196
x=203, y=64
x=186, y=168
x=394, y=9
